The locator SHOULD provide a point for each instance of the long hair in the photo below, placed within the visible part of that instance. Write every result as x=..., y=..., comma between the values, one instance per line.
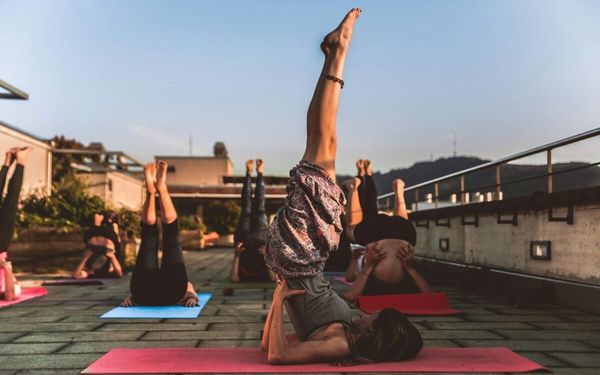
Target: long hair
x=391, y=338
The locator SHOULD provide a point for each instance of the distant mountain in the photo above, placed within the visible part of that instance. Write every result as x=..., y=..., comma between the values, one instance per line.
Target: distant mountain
x=517, y=179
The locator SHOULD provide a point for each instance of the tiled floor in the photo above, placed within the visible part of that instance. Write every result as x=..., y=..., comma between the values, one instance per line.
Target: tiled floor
x=62, y=333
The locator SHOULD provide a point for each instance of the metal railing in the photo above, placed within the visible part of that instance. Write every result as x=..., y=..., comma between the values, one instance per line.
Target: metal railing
x=386, y=201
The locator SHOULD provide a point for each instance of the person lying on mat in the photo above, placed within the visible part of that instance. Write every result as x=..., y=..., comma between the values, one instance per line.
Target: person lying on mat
x=304, y=232
x=9, y=286
x=386, y=265
x=167, y=284
x=100, y=256
x=251, y=231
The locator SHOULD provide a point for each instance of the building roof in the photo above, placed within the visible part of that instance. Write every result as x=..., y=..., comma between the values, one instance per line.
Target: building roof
x=33, y=137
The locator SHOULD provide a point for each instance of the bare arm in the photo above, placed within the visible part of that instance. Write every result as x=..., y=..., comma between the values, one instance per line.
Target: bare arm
x=234, y=276
x=353, y=266
x=115, y=263
x=79, y=273
x=354, y=214
x=372, y=257
x=283, y=349
x=419, y=280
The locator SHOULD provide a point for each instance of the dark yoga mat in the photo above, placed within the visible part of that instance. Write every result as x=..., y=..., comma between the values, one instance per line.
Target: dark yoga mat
x=71, y=281
x=250, y=360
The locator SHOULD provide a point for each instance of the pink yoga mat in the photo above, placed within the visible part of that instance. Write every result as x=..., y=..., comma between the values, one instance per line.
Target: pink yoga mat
x=26, y=294
x=409, y=304
x=342, y=279
x=250, y=360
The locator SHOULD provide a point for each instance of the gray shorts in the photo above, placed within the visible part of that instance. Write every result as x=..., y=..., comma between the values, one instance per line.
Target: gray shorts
x=317, y=308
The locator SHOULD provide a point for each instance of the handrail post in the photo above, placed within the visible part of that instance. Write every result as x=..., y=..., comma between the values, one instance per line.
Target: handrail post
x=436, y=191
x=462, y=189
x=416, y=199
x=549, y=169
x=498, y=182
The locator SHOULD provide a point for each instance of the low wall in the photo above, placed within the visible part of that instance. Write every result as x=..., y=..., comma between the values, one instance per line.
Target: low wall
x=477, y=235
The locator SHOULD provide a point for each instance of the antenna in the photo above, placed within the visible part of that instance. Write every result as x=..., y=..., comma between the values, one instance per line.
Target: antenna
x=454, y=143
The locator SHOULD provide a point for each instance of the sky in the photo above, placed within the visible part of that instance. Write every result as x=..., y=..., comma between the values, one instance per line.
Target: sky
x=145, y=76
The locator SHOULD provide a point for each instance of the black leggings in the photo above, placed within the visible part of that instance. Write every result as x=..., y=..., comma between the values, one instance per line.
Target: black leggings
x=367, y=194
x=8, y=205
x=253, y=222
x=152, y=285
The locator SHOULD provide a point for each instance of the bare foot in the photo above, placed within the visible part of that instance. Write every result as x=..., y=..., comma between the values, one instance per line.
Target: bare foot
x=352, y=184
x=259, y=166
x=339, y=39
x=249, y=166
x=398, y=186
x=161, y=176
x=368, y=167
x=150, y=177
x=9, y=157
x=360, y=167
x=21, y=154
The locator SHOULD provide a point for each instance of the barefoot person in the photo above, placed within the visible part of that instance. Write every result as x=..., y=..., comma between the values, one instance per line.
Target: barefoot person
x=251, y=232
x=305, y=230
x=9, y=287
x=100, y=258
x=386, y=265
x=167, y=284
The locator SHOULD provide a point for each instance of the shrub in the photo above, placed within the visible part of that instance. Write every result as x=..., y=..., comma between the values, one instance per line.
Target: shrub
x=221, y=217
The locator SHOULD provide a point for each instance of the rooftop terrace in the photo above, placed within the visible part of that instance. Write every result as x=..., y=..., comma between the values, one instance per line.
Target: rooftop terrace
x=62, y=333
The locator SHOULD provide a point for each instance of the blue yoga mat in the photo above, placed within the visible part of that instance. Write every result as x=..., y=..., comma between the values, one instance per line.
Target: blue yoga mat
x=179, y=312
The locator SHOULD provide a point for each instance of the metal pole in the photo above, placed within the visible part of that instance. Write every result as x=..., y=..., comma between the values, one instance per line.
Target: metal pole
x=416, y=199
x=498, y=182
x=436, y=192
x=549, y=169
x=462, y=189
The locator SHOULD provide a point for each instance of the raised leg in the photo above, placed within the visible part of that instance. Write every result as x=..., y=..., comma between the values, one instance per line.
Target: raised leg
x=8, y=209
x=368, y=200
x=168, y=213
x=149, y=208
x=321, y=142
x=400, y=204
x=258, y=220
x=354, y=213
x=243, y=226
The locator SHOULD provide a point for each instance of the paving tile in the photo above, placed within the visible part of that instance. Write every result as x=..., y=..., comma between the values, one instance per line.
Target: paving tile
x=78, y=336
x=46, y=348
x=46, y=361
x=579, y=359
x=541, y=334
x=514, y=318
x=7, y=337
x=152, y=327
x=229, y=344
x=531, y=345
x=568, y=325
x=105, y=346
x=47, y=327
x=447, y=334
x=202, y=335
x=477, y=325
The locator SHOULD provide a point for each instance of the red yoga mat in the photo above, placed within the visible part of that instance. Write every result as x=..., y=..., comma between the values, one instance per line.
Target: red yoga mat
x=342, y=279
x=250, y=360
x=26, y=294
x=409, y=304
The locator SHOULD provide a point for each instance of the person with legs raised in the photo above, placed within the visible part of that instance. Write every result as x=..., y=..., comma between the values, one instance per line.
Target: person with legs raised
x=9, y=287
x=167, y=284
x=305, y=230
x=385, y=265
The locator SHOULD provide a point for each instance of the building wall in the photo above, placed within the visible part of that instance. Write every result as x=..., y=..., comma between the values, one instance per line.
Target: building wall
x=197, y=171
x=38, y=170
x=575, y=249
x=117, y=189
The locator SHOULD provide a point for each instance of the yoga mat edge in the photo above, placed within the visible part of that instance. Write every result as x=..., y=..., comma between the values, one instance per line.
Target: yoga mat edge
x=160, y=312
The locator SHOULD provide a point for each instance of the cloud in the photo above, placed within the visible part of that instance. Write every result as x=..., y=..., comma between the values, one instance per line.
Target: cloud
x=159, y=138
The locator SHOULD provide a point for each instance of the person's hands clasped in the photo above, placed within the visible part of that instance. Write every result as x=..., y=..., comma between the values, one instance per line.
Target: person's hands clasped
x=406, y=254
x=283, y=292
x=373, y=256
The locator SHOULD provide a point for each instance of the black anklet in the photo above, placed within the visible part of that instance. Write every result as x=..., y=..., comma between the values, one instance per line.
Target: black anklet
x=334, y=79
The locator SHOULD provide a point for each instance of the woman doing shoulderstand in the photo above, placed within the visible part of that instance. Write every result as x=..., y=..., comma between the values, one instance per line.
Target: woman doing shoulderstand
x=305, y=230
